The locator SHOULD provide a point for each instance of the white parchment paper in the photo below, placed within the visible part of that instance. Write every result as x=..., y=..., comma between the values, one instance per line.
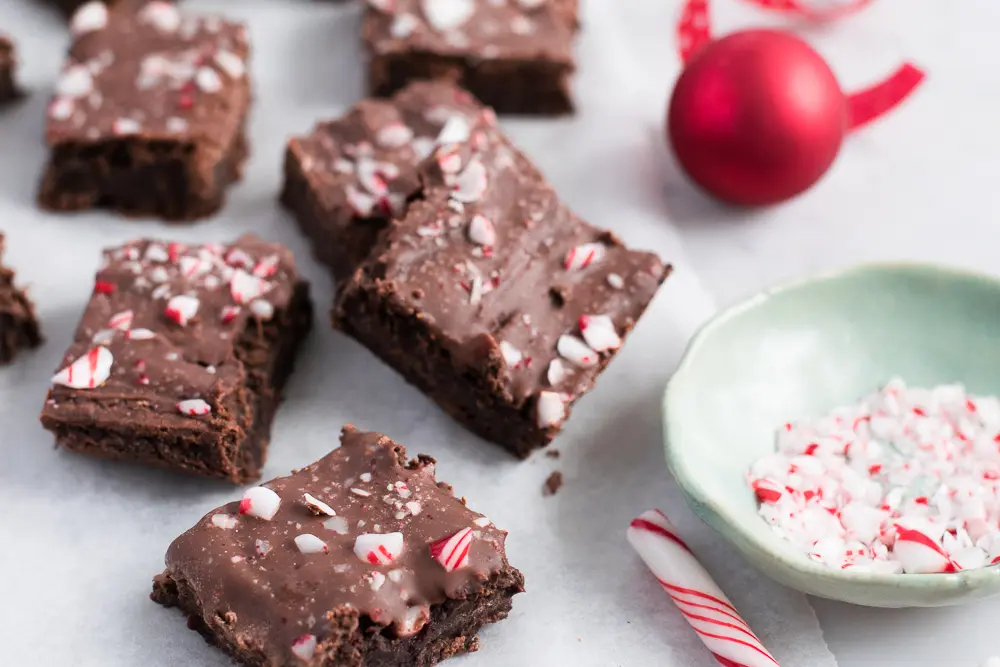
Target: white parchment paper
x=80, y=540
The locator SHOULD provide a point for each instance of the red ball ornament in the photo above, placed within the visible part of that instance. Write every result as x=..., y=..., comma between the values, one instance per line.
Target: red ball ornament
x=757, y=117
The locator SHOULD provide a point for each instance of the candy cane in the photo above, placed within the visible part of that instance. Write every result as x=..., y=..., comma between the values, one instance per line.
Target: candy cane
x=703, y=604
x=694, y=30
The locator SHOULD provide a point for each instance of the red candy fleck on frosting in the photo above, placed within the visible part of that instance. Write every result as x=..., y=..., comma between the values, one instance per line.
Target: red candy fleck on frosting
x=376, y=548
x=104, y=287
x=194, y=407
x=453, y=552
x=229, y=313
x=88, y=372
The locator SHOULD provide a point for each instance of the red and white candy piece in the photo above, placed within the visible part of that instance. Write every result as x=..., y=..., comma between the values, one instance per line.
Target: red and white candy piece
x=121, y=321
x=162, y=15
x=317, y=506
x=511, y=355
x=576, y=351
x=582, y=256
x=557, y=372
x=304, y=647
x=88, y=372
x=260, y=502
x=456, y=130
x=918, y=551
x=413, y=621
x=550, y=410
x=453, y=552
x=308, y=543
x=703, y=604
x=378, y=548
x=599, y=332
x=267, y=267
x=194, y=407
x=246, y=287
x=482, y=231
x=394, y=135
x=181, y=308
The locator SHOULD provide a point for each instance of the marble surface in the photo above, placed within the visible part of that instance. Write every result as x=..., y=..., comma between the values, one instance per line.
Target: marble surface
x=84, y=537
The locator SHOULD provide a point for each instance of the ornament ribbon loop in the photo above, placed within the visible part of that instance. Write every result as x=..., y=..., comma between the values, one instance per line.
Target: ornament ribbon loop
x=869, y=104
x=832, y=10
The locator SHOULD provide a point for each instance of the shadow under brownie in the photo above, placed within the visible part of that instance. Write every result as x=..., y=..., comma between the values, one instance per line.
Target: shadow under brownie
x=360, y=559
x=181, y=355
x=149, y=112
x=492, y=297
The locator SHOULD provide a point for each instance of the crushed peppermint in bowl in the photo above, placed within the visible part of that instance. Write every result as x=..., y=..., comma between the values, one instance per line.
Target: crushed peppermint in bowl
x=791, y=431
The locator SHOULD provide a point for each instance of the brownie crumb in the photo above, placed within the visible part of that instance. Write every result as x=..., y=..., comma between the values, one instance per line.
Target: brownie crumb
x=553, y=453
x=553, y=483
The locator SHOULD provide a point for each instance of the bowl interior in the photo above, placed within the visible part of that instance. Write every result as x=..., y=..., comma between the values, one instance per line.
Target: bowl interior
x=801, y=350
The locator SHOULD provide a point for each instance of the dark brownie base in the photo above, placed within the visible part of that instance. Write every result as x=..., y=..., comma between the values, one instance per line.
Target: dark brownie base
x=406, y=344
x=137, y=176
x=8, y=63
x=268, y=355
x=19, y=328
x=531, y=87
x=349, y=250
x=451, y=631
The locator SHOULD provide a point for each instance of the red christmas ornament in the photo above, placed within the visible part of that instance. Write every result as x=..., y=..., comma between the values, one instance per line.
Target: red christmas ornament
x=758, y=117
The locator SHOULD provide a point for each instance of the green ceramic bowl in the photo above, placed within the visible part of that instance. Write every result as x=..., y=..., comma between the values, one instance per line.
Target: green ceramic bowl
x=800, y=350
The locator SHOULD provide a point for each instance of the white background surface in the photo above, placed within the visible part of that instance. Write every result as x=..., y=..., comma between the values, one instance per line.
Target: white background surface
x=80, y=540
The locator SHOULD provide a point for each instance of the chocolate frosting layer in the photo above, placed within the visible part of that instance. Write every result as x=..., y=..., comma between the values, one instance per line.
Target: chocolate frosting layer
x=282, y=582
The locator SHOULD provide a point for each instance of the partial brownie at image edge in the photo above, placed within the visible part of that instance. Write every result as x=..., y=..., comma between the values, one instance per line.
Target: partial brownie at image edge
x=9, y=90
x=141, y=122
x=19, y=328
x=492, y=297
x=515, y=57
x=374, y=563
x=181, y=356
x=347, y=178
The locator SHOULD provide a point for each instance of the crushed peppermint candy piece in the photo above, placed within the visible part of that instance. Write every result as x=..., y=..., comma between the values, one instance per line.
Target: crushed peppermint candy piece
x=121, y=321
x=317, y=506
x=310, y=544
x=377, y=580
x=582, y=256
x=182, y=308
x=260, y=502
x=338, y=525
x=140, y=334
x=262, y=309
x=88, y=372
x=453, y=552
x=387, y=6
x=245, y=287
x=208, y=80
x=76, y=81
x=615, y=281
x=230, y=63
x=905, y=481
x=511, y=355
x=414, y=619
x=482, y=521
x=576, y=351
x=90, y=17
x=224, y=521
x=551, y=410
x=482, y=230
x=470, y=185
x=394, y=135
x=531, y=4
x=557, y=372
x=262, y=547
x=599, y=332
x=162, y=15
x=456, y=130
x=449, y=161
x=376, y=548
x=194, y=407
x=125, y=126
x=229, y=313
x=103, y=337
x=445, y=15
x=414, y=508
x=304, y=647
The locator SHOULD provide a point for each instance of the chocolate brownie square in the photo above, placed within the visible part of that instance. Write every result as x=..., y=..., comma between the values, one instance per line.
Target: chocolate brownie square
x=149, y=112
x=8, y=66
x=18, y=326
x=360, y=559
x=516, y=56
x=492, y=297
x=181, y=356
x=345, y=180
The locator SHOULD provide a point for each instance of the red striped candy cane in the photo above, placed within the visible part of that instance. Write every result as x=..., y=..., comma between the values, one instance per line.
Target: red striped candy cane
x=700, y=600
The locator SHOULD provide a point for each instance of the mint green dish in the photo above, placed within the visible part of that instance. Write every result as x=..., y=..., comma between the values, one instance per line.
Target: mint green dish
x=800, y=350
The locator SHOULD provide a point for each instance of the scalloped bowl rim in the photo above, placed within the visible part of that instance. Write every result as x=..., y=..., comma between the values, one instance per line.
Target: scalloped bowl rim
x=743, y=538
